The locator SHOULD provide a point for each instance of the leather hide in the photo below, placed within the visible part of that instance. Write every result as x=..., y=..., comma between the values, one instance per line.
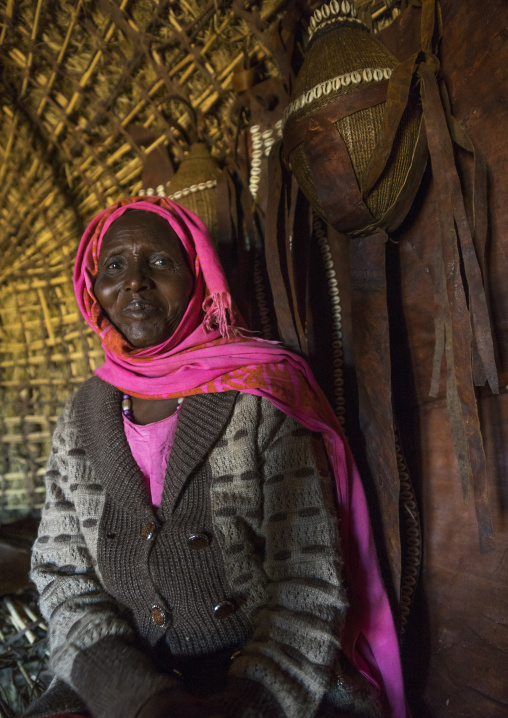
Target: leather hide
x=457, y=642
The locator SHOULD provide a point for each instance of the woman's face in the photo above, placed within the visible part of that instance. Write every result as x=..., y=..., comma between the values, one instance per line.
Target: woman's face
x=144, y=283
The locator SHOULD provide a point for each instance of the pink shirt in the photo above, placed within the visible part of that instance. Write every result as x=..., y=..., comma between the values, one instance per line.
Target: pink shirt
x=151, y=445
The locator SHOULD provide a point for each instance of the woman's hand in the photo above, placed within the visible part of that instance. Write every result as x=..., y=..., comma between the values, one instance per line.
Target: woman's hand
x=174, y=703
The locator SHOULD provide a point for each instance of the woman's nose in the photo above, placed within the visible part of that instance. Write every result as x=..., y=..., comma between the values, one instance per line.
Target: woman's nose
x=136, y=279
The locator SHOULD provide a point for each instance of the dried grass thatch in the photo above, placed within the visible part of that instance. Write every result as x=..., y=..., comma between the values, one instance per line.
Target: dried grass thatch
x=75, y=77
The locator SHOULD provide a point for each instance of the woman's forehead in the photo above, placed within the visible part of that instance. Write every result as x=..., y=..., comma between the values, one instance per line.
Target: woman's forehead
x=141, y=225
x=141, y=218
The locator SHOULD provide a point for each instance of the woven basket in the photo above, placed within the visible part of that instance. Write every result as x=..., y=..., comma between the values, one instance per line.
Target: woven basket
x=345, y=74
x=194, y=186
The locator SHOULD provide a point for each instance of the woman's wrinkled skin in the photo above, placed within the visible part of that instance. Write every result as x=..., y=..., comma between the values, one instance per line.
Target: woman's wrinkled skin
x=143, y=283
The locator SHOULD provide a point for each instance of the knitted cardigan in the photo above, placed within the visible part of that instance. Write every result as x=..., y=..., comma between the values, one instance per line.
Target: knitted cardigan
x=242, y=555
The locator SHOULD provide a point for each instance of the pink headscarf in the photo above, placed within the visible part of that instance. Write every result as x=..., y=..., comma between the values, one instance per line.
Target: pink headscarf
x=208, y=353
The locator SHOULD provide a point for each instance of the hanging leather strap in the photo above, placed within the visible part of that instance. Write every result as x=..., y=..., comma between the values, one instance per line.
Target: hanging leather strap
x=479, y=219
x=275, y=258
x=371, y=344
x=443, y=164
x=293, y=198
x=431, y=27
x=440, y=302
x=248, y=236
x=157, y=166
x=227, y=210
x=398, y=94
x=228, y=235
x=462, y=407
x=450, y=296
x=478, y=215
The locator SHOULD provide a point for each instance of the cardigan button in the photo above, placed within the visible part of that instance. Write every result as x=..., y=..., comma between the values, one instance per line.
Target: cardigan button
x=198, y=541
x=159, y=616
x=148, y=530
x=223, y=609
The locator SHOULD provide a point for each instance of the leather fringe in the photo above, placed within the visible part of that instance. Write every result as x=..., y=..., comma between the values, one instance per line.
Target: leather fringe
x=371, y=345
x=462, y=323
x=280, y=215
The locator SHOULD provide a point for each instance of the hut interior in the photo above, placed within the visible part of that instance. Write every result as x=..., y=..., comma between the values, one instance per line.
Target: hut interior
x=102, y=99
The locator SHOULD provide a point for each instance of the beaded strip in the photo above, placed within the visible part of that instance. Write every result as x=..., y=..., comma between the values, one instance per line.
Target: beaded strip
x=210, y=184
x=337, y=346
x=333, y=11
x=262, y=143
x=339, y=22
x=410, y=514
x=161, y=192
x=412, y=558
x=368, y=74
x=262, y=300
x=127, y=406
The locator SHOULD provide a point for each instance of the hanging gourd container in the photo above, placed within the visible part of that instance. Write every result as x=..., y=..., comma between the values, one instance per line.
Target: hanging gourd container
x=334, y=123
x=357, y=134
x=194, y=186
x=334, y=140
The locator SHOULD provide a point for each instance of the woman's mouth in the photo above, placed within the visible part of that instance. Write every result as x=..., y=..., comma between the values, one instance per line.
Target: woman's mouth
x=139, y=309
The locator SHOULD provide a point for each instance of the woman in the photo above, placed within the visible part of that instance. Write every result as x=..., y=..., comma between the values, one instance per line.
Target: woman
x=188, y=556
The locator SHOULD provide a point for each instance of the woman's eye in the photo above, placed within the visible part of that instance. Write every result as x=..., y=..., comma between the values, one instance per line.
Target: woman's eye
x=114, y=264
x=160, y=261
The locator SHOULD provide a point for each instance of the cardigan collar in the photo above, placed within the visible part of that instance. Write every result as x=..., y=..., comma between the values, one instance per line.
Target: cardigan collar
x=100, y=422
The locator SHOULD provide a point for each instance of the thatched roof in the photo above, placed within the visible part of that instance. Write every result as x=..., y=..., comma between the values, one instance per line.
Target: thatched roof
x=79, y=80
x=76, y=76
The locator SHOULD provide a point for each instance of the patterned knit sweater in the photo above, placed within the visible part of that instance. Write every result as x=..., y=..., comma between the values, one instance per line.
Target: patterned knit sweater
x=242, y=555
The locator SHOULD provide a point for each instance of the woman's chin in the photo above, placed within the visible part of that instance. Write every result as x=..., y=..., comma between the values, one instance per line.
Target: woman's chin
x=142, y=337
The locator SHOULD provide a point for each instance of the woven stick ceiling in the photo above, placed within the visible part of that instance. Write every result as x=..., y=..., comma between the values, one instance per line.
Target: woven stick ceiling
x=76, y=75
x=81, y=81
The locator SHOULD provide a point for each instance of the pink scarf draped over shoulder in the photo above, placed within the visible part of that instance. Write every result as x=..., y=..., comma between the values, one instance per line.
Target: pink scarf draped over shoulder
x=208, y=353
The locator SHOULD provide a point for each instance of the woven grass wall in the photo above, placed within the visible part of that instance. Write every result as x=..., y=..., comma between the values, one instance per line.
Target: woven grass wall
x=75, y=77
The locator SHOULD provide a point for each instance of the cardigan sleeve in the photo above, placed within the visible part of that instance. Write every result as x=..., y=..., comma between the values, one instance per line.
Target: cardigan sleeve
x=115, y=676
x=290, y=663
